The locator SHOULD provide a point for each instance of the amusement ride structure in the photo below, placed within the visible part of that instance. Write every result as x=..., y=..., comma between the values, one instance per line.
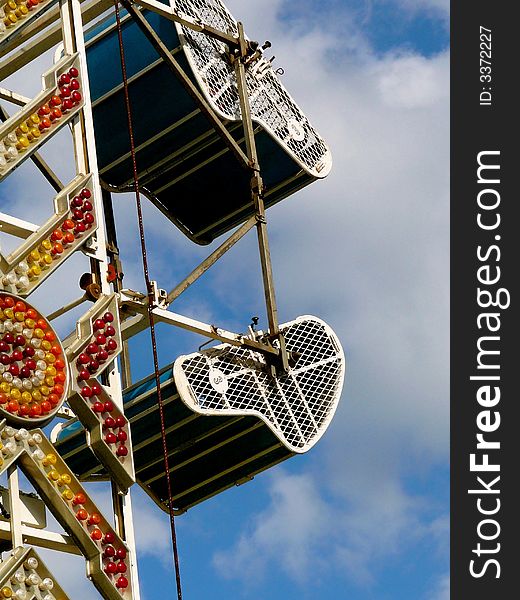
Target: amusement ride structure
x=227, y=142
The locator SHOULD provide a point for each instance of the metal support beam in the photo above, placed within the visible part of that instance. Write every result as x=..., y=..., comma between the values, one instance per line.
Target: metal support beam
x=211, y=260
x=41, y=538
x=257, y=189
x=138, y=323
x=17, y=227
x=177, y=70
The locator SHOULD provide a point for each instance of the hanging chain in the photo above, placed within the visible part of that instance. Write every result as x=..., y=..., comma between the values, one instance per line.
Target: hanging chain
x=151, y=300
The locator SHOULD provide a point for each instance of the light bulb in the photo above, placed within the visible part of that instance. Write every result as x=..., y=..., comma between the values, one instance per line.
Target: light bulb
x=18, y=577
x=8, y=432
x=46, y=584
x=38, y=454
x=33, y=579
x=31, y=563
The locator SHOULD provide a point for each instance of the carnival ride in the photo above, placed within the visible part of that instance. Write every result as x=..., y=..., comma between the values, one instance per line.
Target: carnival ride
x=226, y=142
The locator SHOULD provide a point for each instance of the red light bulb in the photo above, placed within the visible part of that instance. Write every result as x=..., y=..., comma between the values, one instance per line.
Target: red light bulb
x=98, y=407
x=96, y=388
x=111, y=568
x=121, y=553
x=109, y=538
x=92, y=349
x=122, y=436
x=122, y=451
x=73, y=72
x=120, y=421
x=111, y=345
x=122, y=582
x=110, y=330
x=94, y=519
x=83, y=375
x=86, y=392
x=102, y=356
x=79, y=498
x=110, y=551
x=110, y=438
x=121, y=567
x=96, y=535
x=109, y=423
x=82, y=514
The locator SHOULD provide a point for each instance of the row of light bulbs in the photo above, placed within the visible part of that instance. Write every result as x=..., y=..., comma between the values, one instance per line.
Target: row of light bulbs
x=34, y=264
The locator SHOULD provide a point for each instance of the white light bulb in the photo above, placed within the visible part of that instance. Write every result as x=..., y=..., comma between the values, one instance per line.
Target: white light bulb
x=36, y=342
x=18, y=577
x=33, y=579
x=8, y=432
x=31, y=563
x=36, y=438
x=23, y=282
x=21, y=434
x=38, y=454
x=9, y=449
x=46, y=584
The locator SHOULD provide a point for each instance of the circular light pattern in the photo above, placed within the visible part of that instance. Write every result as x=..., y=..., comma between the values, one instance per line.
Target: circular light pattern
x=33, y=370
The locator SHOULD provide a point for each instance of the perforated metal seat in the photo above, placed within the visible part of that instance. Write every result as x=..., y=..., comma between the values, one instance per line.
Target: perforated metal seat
x=184, y=166
x=227, y=419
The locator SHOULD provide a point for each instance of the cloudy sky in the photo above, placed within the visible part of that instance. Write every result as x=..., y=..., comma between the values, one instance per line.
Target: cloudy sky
x=365, y=514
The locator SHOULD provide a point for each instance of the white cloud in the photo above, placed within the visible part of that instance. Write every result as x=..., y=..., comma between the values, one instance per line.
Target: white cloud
x=413, y=81
x=310, y=538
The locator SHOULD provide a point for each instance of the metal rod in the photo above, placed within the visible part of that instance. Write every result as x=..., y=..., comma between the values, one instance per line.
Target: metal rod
x=40, y=163
x=13, y=97
x=63, y=309
x=15, y=506
x=175, y=67
x=256, y=186
x=128, y=327
x=211, y=260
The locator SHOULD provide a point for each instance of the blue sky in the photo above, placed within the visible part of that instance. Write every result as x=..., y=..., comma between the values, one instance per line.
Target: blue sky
x=365, y=514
